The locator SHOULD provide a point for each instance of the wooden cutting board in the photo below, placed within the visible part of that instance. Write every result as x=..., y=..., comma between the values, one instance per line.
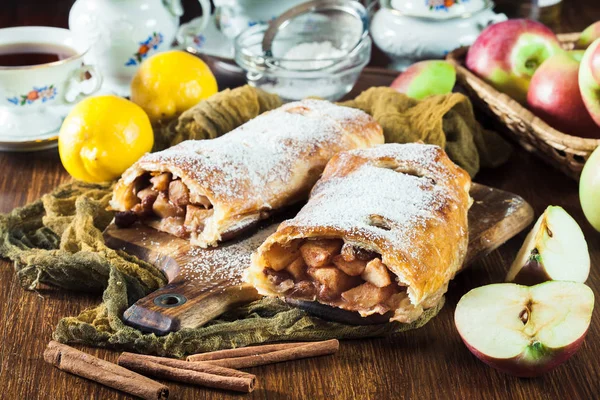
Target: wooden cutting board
x=204, y=283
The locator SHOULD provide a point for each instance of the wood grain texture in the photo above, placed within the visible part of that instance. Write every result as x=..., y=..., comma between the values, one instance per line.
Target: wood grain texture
x=428, y=363
x=189, y=301
x=195, y=294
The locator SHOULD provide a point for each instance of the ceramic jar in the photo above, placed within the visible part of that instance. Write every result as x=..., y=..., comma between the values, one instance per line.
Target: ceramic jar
x=412, y=30
x=122, y=33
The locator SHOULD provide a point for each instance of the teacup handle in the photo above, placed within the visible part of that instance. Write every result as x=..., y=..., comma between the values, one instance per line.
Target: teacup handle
x=195, y=27
x=74, y=90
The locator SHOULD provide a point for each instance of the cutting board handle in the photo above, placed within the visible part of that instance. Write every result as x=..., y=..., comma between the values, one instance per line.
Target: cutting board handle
x=175, y=306
x=181, y=303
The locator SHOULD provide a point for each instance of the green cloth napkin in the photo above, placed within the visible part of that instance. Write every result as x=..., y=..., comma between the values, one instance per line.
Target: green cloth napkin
x=445, y=120
x=58, y=241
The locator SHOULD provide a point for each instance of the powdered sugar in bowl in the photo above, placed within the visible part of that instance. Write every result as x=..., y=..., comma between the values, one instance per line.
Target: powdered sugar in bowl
x=320, y=53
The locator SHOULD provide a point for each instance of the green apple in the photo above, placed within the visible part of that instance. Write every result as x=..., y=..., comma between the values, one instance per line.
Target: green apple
x=588, y=36
x=507, y=54
x=525, y=330
x=589, y=189
x=426, y=78
x=555, y=249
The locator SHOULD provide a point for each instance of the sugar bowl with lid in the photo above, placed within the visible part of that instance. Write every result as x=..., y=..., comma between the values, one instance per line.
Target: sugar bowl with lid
x=412, y=30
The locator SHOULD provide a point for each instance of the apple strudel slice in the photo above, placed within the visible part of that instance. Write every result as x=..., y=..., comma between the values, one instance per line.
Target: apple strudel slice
x=211, y=190
x=384, y=231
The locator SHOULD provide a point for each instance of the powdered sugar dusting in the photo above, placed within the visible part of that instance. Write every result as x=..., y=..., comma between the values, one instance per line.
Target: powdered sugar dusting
x=424, y=155
x=254, y=160
x=223, y=266
x=378, y=200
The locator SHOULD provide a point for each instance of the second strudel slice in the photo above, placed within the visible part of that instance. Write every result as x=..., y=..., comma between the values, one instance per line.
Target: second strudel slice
x=384, y=231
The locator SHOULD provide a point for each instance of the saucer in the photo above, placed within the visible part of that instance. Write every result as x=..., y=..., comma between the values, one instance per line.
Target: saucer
x=212, y=42
x=47, y=141
x=32, y=136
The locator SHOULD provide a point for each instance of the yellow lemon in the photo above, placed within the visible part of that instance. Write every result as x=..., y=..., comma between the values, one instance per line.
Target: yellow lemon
x=169, y=83
x=103, y=136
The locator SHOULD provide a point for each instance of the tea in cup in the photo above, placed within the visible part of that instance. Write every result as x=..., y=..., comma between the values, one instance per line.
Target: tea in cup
x=41, y=75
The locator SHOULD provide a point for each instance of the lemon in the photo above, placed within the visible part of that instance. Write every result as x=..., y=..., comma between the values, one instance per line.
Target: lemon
x=102, y=136
x=169, y=83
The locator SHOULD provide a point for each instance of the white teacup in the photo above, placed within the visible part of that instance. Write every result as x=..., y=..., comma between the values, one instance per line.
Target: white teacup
x=34, y=99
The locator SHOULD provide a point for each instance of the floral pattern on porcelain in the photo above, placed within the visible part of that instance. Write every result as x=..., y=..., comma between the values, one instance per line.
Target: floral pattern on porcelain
x=43, y=94
x=442, y=5
x=199, y=40
x=252, y=23
x=151, y=43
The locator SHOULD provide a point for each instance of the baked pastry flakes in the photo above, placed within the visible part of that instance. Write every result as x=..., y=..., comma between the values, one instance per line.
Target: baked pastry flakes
x=384, y=231
x=211, y=190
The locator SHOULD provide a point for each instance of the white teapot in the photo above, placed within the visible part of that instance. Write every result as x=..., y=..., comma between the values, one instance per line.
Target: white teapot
x=122, y=33
x=412, y=30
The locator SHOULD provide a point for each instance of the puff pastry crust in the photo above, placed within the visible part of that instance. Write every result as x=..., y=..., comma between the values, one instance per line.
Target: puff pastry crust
x=227, y=184
x=384, y=231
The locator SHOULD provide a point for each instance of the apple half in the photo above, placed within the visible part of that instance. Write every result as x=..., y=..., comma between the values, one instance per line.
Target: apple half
x=525, y=330
x=554, y=250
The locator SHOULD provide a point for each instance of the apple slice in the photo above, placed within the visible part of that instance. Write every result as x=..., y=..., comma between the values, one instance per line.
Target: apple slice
x=525, y=331
x=555, y=249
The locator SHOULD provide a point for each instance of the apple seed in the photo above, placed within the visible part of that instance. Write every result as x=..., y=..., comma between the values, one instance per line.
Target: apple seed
x=524, y=316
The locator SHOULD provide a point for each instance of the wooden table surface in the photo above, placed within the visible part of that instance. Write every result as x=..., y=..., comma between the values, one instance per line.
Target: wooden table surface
x=428, y=363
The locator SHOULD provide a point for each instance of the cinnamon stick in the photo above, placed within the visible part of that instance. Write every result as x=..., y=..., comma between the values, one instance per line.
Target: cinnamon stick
x=196, y=366
x=295, y=353
x=242, y=351
x=239, y=384
x=87, y=366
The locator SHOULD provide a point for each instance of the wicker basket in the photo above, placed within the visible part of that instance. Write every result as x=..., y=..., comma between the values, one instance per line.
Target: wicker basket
x=565, y=152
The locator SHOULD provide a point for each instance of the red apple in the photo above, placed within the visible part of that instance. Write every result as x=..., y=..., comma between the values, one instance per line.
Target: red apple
x=589, y=80
x=507, y=54
x=588, y=36
x=525, y=330
x=554, y=95
x=426, y=78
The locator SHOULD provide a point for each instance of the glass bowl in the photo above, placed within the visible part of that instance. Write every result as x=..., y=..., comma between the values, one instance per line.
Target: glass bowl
x=315, y=56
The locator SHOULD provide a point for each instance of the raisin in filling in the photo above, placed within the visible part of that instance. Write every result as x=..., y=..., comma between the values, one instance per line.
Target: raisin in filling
x=166, y=203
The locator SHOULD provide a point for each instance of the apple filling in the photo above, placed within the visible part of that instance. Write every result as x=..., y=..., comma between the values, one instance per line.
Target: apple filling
x=337, y=274
x=165, y=203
